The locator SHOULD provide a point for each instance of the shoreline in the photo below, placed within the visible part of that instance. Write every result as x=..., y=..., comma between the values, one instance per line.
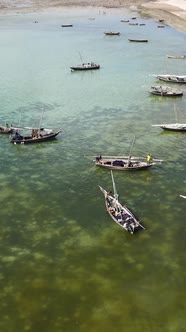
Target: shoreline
x=172, y=12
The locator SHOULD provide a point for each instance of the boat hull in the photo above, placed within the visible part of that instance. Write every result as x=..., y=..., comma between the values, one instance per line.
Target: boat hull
x=123, y=165
x=121, y=215
x=28, y=139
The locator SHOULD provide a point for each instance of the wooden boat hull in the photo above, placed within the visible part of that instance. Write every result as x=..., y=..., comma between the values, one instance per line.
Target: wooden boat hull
x=85, y=67
x=121, y=215
x=138, y=40
x=158, y=93
x=122, y=164
x=28, y=139
x=112, y=33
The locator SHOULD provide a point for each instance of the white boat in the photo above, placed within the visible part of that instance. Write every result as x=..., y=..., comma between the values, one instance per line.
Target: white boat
x=172, y=78
x=172, y=126
x=166, y=91
x=176, y=56
x=118, y=212
x=183, y=196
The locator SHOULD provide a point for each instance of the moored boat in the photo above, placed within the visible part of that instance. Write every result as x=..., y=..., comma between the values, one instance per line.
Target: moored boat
x=112, y=33
x=172, y=126
x=35, y=135
x=120, y=213
x=138, y=40
x=123, y=164
x=166, y=91
x=176, y=56
x=67, y=25
x=85, y=66
x=172, y=78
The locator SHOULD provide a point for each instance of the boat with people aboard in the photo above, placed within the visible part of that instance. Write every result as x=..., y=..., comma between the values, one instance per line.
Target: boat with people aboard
x=176, y=56
x=166, y=91
x=126, y=163
x=138, y=40
x=6, y=129
x=172, y=126
x=85, y=66
x=120, y=213
x=172, y=78
x=33, y=135
x=112, y=33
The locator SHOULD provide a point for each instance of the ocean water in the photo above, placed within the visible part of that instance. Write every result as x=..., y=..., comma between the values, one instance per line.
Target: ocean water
x=65, y=266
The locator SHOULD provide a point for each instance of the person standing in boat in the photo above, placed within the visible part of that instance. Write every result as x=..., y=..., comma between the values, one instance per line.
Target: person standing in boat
x=149, y=158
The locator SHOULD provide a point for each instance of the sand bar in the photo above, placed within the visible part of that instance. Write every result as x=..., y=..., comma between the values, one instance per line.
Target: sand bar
x=173, y=12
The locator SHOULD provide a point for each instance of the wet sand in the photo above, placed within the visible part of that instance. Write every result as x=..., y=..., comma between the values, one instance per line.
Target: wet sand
x=173, y=12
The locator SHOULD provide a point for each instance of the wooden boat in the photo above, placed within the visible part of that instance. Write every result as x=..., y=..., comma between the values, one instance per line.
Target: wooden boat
x=35, y=135
x=172, y=126
x=161, y=26
x=176, y=56
x=165, y=91
x=125, y=163
x=111, y=33
x=6, y=129
x=85, y=66
x=172, y=78
x=133, y=23
x=138, y=40
x=67, y=25
x=120, y=213
x=183, y=196
x=122, y=164
x=124, y=21
x=141, y=24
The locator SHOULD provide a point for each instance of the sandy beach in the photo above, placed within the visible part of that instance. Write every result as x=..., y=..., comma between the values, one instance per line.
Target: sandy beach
x=173, y=12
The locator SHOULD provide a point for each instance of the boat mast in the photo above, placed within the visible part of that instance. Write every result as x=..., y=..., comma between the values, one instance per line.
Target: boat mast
x=41, y=120
x=114, y=186
x=131, y=148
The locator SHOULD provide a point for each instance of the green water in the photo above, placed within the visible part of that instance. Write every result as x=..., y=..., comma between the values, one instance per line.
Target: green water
x=64, y=264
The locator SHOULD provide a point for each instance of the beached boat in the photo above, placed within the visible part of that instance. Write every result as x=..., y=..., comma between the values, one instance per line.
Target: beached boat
x=165, y=91
x=112, y=33
x=85, y=66
x=6, y=129
x=118, y=212
x=138, y=40
x=172, y=78
x=183, y=196
x=172, y=126
x=35, y=135
x=176, y=56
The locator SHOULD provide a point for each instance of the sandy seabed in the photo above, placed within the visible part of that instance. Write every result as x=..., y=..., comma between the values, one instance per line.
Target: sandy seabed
x=173, y=12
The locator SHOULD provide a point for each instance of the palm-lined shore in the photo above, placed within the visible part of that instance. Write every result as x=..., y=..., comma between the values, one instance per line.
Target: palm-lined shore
x=173, y=12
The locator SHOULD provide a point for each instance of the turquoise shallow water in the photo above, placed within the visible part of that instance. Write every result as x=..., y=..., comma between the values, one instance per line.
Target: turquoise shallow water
x=65, y=266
